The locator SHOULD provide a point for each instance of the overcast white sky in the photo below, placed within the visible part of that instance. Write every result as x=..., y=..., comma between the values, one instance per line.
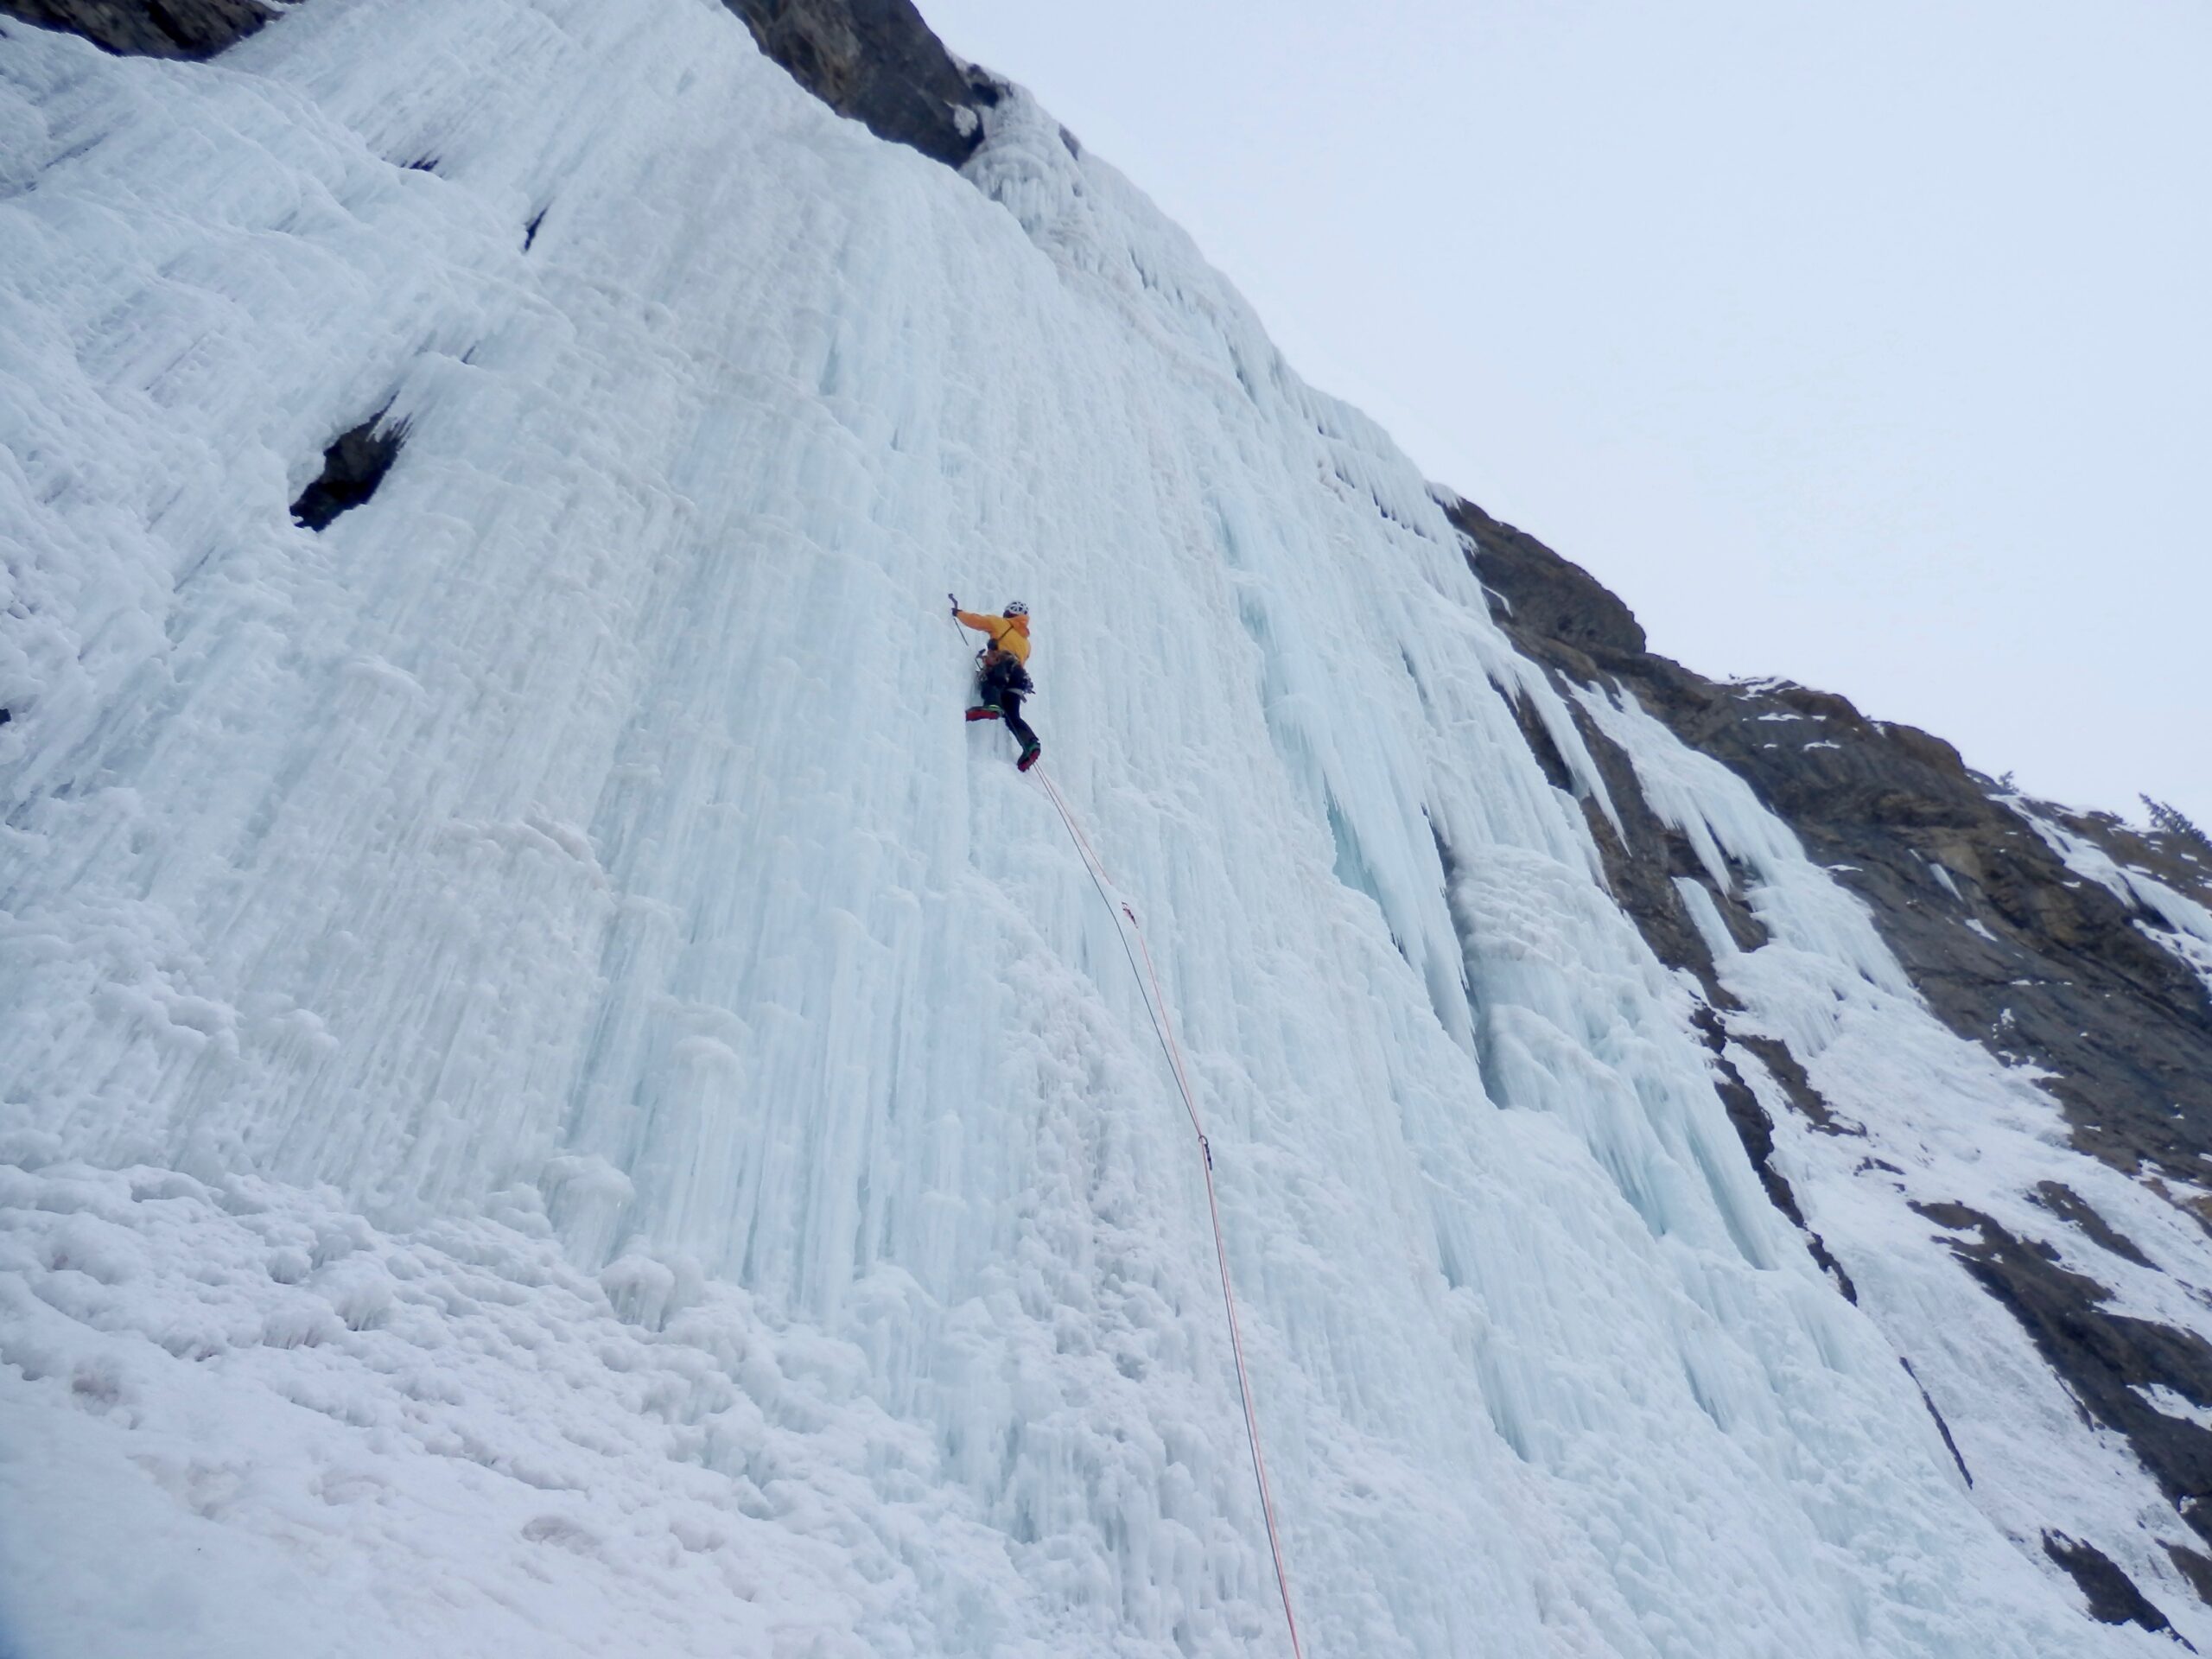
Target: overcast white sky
x=1867, y=344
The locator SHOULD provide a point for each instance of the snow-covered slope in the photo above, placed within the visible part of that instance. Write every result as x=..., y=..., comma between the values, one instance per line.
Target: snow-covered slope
x=560, y=1101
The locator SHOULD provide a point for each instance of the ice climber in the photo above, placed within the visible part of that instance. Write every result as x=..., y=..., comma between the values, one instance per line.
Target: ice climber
x=1002, y=673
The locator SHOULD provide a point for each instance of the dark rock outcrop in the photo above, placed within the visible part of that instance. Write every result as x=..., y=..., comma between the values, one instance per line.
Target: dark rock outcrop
x=2107, y=1360
x=156, y=29
x=1550, y=599
x=2112, y=1595
x=877, y=62
x=2009, y=947
x=353, y=466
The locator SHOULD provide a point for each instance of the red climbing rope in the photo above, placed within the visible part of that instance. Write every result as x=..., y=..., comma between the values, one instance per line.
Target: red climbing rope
x=1164, y=1028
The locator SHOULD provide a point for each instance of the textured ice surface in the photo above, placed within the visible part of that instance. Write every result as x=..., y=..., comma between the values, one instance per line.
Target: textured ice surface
x=561, y=1101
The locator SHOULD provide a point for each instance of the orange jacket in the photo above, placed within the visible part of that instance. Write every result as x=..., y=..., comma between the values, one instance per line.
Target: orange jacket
x=1009, y=634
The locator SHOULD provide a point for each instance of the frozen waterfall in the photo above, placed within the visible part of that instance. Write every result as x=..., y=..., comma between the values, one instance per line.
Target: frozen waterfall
x=559, y=1100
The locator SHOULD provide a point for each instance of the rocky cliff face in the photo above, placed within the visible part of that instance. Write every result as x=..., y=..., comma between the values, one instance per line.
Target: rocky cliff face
x=2009, y=946
x=1984, y=898
x=159, y=28
x=874, y=60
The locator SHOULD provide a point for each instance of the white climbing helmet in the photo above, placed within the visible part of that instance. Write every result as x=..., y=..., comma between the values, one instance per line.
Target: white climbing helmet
x=1017, y=609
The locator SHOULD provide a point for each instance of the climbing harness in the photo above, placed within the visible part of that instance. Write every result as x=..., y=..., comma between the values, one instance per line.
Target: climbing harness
x=1164, y=1029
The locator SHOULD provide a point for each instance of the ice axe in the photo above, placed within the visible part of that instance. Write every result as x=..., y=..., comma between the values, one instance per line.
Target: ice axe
x=957, y=628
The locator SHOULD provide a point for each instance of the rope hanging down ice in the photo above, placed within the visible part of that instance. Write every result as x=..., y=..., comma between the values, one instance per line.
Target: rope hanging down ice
x=1155, y=1004
x=1164, y=1029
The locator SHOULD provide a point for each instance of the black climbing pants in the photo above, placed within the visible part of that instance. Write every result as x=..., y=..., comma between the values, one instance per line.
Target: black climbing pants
x=1010, y=707
x=998, y=693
